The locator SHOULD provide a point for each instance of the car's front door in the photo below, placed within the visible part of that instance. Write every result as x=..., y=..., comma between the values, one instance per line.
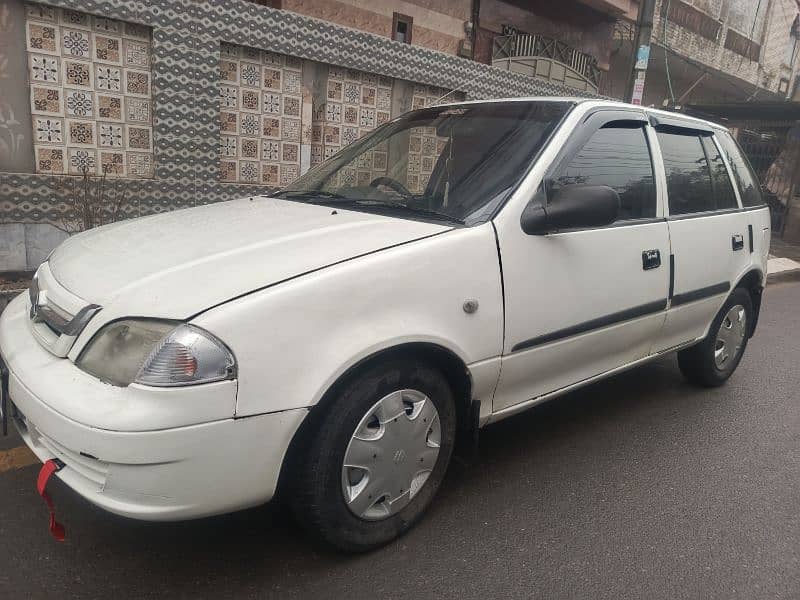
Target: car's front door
x=581, y=302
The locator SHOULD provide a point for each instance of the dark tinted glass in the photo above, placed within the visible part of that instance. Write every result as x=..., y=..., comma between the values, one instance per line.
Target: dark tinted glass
x=688, y=175
x=616, y=156
x=460, y=161
x=746, y=180
x=724, y=197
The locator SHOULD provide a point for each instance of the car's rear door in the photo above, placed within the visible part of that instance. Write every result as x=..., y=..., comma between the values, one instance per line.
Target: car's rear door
x=708, y=230
x=582, y=302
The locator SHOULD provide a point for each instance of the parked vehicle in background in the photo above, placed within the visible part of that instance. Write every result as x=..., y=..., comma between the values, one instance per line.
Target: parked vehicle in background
x=339, y=340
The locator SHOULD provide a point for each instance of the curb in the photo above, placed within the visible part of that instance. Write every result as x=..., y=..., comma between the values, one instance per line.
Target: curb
x=783, y=276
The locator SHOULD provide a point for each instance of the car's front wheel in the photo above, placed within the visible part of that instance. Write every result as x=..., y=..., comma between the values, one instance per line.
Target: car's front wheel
x=376, y=456
x=713, y=360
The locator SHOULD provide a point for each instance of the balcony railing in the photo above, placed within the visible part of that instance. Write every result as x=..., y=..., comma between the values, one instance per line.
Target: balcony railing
x=545, y=57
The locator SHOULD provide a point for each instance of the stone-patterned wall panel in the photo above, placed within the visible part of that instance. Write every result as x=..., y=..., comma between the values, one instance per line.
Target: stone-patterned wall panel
x=185, y=92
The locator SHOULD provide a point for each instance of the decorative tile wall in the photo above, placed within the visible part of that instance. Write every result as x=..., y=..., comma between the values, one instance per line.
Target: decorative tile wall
x=90, y=89
x=260, y=115
x=424, y=146
x=185, y=67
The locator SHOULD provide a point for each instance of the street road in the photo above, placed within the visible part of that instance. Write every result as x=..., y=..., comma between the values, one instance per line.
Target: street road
x=637, y=487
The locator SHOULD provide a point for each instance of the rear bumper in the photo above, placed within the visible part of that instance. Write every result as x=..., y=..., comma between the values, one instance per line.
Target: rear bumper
x=165, y=472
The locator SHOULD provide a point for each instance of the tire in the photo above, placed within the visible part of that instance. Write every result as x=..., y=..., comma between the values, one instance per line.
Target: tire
x=321, y=481
x=710, y=365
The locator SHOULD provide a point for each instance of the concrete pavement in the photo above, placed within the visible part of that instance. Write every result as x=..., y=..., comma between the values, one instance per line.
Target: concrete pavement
x=641, y=486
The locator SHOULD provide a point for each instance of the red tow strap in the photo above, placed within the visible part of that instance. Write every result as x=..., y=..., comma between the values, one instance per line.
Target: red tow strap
x=46, y=472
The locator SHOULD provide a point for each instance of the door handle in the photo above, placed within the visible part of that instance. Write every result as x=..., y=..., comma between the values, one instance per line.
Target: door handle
x=737, y=242
x=651, y=259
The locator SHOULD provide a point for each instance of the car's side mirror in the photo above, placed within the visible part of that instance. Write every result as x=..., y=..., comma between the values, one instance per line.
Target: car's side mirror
x=572, y=206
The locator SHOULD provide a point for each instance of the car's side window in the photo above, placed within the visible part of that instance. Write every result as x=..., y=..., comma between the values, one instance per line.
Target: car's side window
x=745, y=179
x=616, y=155
x=688, y=174
x=724, y=197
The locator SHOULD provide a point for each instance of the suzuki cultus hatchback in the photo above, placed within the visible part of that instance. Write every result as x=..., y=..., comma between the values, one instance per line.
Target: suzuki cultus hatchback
x=336, y=341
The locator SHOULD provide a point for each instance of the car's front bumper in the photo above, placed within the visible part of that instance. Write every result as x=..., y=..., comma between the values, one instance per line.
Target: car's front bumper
x=162, y=474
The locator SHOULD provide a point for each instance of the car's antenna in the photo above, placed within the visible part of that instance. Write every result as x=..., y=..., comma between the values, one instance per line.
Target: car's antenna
x=455, y=89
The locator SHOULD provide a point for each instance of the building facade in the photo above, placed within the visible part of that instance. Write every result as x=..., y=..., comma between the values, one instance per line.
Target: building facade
x=706, y=51
x=173, y=104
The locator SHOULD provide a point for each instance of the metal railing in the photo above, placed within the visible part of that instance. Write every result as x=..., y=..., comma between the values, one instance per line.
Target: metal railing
x=535, y=45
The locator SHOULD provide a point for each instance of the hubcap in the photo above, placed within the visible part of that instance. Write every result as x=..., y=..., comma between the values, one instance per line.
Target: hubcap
x=391, y=454
x=730, y=337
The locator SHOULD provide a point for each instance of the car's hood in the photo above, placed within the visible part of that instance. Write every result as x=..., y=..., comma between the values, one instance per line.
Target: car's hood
x=179, y=263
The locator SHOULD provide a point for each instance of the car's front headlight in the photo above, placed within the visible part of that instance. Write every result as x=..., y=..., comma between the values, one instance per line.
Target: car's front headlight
x=157, y=353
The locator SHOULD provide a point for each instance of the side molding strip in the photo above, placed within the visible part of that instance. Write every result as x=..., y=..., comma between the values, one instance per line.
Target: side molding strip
x=598, y=323
x=706, y=292
x=671, y=276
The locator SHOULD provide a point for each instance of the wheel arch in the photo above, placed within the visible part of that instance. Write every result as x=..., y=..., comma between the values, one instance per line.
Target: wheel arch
x=752, y=281
x=448, y=362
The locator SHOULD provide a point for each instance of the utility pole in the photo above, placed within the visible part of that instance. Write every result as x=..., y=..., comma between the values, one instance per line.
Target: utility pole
x=644, y=29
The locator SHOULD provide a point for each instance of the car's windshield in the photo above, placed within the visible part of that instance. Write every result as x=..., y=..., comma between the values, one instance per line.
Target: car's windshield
x=451, y=163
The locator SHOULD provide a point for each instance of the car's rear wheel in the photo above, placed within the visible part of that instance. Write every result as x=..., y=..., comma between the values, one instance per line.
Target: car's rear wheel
x=713, y=360
x=377, y=455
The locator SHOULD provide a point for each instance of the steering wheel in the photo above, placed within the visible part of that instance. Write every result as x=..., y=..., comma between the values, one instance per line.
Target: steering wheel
x=392, y=184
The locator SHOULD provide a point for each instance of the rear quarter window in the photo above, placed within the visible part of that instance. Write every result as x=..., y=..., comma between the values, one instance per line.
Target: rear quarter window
x=746, y=180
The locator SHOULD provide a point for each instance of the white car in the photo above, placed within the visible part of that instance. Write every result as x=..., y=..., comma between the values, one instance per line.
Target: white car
x=336, y=341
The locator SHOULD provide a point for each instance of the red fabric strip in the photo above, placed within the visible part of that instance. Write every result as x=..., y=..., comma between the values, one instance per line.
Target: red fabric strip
x=46, y=472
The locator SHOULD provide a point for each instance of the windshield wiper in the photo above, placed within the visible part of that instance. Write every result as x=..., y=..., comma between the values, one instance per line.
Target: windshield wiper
x=307, y=194
x=400, y=206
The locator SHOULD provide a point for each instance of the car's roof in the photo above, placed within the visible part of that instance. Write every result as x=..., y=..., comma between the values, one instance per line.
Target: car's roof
x=589, y=103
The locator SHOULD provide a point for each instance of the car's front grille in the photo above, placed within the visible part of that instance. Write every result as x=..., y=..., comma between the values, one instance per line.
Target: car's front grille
x=56, y=315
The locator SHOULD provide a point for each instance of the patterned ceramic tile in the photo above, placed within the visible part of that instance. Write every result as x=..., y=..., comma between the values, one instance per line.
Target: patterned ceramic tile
x=82, y=161
x=271, y=79
x=137, y=83
x=106, y=25
x=107, y=49
x=250, y=100
x=250, y=74
x=270, y=127
x=228, y=146
x=291, y=130
x=81, y=133
x=108, y=79
x=289, y=173
x=79, y=103
x=271, y=150
x=76, y=43
x=140, y=164
x=110, y=135
x=50, y=160
x=44, y=69
x=249, y=148
x=41, y=12
x=229, y=122
x=292, y=82
x=248, y=171
x=112, y=163
x=78, y=73
x=272, y=103
x=110, y=107
x=139, y=138
x=138, y=110
x=75, y=19
x=137, y=54
x=46, y=100
x=43, y=37
x=270, y=174
x=48, y=130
